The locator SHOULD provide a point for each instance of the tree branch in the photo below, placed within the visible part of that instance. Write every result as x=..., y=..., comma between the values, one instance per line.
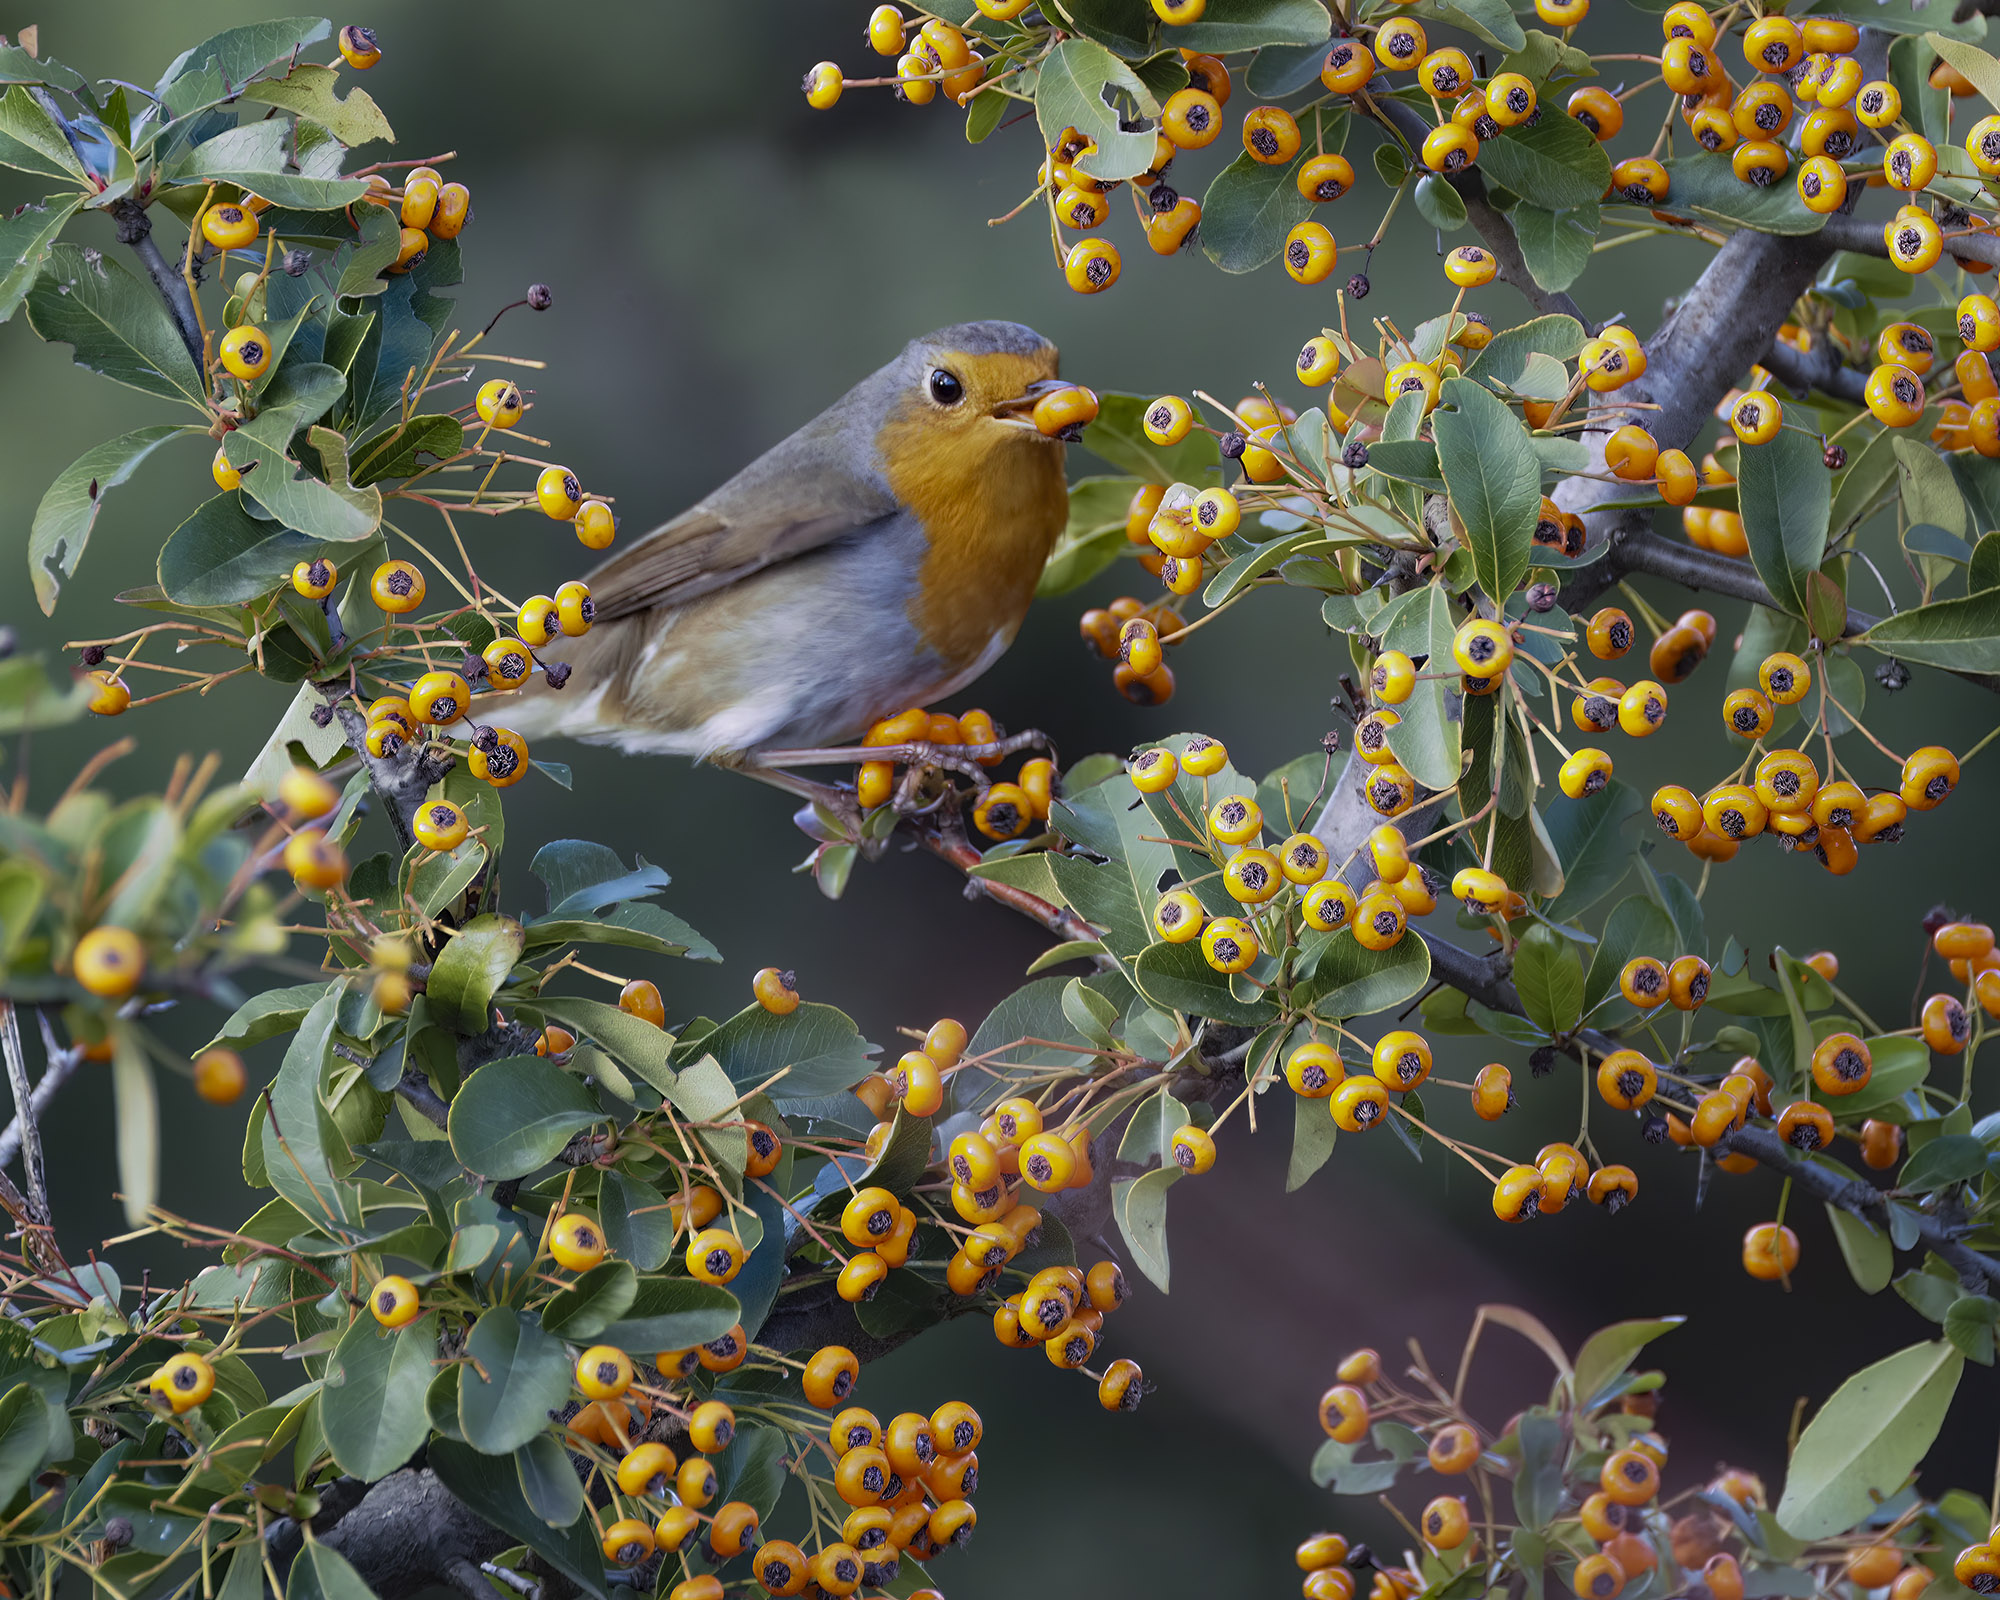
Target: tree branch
x=135, y=228
x=1818, y=368
x=1864, y=237
x=1484, y=980
x=61, y=1065
x=402, y=780
x=24, y=1114
x=1492, y=226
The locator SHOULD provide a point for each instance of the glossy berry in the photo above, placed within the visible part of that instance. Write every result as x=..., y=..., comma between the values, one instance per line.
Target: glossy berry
x=776, y=991
x=499, y=403
x=397, y=587
x=393, y=1301
x=245, y=352
x=575, y=1242
x=439, y=825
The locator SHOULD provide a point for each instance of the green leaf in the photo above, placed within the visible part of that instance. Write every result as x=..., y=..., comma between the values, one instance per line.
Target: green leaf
x=24, y=1437
x=818, y=1048
x=1961, y=635
x=236, y=55
x=32, y=141
x=1140, y=1207
x=1094, y=537
x=1862, y=480
x=1438, y=203
x=679, y=1313
x=255, y=156
x=1149, y=1131
x=1787, y=498
x=637, y=1224
x=491, y=1488
x=1505, y=358
x=1231, y=25
x=1973, y=62
x=301, y=1145
x=311, y=93
x=1953, y=1158
x=1340, y=979
x=752, y=1469
x=25, y=240
x=1313, y=1130
x=1983, y=571
x=579, y=1312
x=1248, y=210
x=513, y=1116
x=17, y=66
x=1706, y=186
x=1969, y=1324
x=1591, y=842
x=1176, y=978
x=279, y=484
x=1549, y=977
x=1428, y=739
x=1900, y=1065
x=1492, y=20
x=548, y=1481
x=1608, y=1352
x=1495, y=482
x=1930, y=493
x=634, y=1042
x=1557, y=245
x=1069, y=93
x=984, y=115
x=1867, y=1439
x=1870, y=1258
x=471, y=968
x=371, y=1406
x=69, y=509
x=116, y=324
x=1928, y=1294
x=1538, y=1483
x=322, y=1574
x=1555, y=164
x=1283, y=69
x=1635, y=927
x=526, y=1377
x=1408, y=460
x=223, y=556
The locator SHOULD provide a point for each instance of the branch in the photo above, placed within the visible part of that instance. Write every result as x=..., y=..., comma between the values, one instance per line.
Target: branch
x=404, y=1535
x=135, y=228
x=1834, y=1184
x=1864, y=237
x=1491, y=225
x=1818, y=368
x=947, y=841
x=24, y=1114
x=1484, y=980
x=61, y=1065
x=1635, y=548
x=403, y=780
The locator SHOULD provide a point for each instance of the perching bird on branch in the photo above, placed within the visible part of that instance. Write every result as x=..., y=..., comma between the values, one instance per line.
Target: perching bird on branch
x=881, y=557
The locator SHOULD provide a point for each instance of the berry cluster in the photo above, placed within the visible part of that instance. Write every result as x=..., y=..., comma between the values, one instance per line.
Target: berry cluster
x=1000, y=811
x=1609, y=1527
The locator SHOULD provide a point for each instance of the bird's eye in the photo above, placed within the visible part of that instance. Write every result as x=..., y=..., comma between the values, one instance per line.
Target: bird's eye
x=946, y=390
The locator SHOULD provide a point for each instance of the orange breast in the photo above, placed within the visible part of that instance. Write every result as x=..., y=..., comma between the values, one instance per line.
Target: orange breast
x=992, y=500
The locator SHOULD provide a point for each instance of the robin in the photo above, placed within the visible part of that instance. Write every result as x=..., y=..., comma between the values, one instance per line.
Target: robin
x=881, y=557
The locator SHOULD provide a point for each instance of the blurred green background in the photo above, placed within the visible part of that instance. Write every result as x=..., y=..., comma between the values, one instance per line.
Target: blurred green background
x=725, y=262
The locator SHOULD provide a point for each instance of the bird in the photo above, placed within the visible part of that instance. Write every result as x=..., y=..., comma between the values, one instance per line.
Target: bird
x=881, y=557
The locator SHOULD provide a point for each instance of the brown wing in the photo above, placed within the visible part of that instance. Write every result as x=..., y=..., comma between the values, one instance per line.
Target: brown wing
x=798, y=496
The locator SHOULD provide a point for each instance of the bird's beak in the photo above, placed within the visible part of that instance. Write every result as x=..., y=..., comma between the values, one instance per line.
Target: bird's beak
x=1016, y=411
